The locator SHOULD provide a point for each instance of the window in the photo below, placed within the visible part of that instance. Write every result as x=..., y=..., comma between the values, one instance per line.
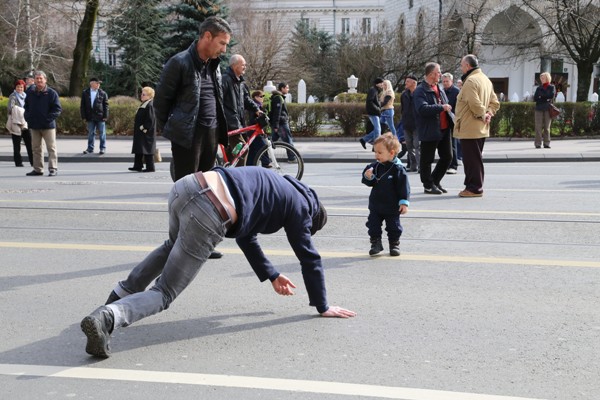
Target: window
x=366, y=25
x=411, y=3
x=345, y=26
x=305, y=22
x=112, y=56
x=268, y=26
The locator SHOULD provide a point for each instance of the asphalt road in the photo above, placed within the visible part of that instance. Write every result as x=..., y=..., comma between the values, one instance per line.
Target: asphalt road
x=493, y=298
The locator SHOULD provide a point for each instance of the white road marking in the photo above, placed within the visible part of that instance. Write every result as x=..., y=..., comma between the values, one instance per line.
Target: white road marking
x=245, y=382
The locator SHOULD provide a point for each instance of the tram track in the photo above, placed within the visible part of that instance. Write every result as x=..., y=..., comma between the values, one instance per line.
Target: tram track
x=414, y=215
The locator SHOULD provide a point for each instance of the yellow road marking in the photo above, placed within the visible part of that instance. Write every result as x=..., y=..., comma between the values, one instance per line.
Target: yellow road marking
x=324, y=254
x=243, y=382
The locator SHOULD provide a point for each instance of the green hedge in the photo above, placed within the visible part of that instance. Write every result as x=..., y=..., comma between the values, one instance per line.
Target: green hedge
x=512, y=120
x=120, y=121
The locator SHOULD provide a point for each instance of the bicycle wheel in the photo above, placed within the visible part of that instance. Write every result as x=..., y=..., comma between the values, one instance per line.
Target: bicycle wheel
x=282, y=153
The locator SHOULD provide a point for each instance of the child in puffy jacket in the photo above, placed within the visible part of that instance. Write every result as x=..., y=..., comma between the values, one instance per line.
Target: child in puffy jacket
x=390, y=193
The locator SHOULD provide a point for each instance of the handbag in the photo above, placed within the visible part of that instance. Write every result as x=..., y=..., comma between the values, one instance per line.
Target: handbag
x=157, y=156
x=554, y=111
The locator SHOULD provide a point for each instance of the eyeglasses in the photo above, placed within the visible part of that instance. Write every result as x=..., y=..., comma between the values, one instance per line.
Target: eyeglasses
x=261, y=96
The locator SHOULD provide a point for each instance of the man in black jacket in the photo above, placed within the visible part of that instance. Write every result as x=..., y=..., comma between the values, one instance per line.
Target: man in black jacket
x=433, y=126
x=280, y=124
x=188, y=103
x=94, y=111
x=452, y=92
x=189, y=100
x=374, y=112
x=410, y=126
x=236, y=99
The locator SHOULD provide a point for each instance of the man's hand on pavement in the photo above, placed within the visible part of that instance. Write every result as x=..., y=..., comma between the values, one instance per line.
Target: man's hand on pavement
x=338, y=312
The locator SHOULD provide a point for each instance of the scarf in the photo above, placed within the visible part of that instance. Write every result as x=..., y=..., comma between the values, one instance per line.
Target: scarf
x=465, y=76
x=20, y=98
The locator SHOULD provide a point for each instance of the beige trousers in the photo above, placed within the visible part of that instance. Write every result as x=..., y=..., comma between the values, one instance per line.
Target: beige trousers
x=48, y=136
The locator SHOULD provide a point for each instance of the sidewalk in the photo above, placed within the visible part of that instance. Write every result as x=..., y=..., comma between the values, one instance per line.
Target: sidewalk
x=70, y=149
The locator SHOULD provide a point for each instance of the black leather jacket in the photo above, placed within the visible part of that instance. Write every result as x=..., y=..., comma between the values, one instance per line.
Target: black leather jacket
x=177, y=98
x=236, y=99
x=99, y=112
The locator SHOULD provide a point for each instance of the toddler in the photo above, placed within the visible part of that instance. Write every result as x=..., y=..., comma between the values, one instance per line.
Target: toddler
x=390, y=192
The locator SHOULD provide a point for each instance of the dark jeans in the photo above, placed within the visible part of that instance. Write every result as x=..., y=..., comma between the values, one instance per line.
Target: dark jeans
x=200, y=157
x=284, y=133
x=255, y=147
x=472, y=150
x=456, y=154
x=444, y=149
x=16, y=140
x=392, y=225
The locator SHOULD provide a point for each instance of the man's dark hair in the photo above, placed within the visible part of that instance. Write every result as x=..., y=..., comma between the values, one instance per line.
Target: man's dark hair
x=281, y=85
x=430, y=66
x=377, y=81
x=471, y=59
x=214, y=25
x=412, y=76
x=319, y=219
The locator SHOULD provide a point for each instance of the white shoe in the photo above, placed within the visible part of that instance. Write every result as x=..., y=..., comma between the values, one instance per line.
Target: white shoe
x=451, y=171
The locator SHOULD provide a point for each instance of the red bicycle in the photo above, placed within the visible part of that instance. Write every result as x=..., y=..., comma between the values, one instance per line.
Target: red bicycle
x=273, y=155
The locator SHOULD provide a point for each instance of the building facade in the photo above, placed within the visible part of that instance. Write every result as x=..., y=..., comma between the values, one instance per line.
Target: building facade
x=332, y=16
x=513, y=48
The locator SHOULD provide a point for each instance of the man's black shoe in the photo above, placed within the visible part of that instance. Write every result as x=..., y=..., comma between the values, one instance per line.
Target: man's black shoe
x=433, y=190
x=97, y=327
x=215, y=254
x=441, y=188
x=34, y=173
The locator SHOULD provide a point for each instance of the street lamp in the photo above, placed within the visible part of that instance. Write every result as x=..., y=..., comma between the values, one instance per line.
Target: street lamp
x=352, y=83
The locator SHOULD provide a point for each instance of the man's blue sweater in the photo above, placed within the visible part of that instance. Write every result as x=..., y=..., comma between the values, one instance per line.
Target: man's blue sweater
x=266, y=202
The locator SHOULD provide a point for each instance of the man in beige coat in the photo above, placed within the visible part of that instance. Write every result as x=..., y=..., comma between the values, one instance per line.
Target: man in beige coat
x=476, y=105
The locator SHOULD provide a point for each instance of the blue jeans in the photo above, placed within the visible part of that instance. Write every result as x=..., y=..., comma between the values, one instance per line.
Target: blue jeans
x=92, y=126
x=195, y=228
x=284, y=133
x=387, y=117
x=376, y=132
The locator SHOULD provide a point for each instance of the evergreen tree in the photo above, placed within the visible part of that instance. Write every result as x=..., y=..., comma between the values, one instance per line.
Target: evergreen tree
x=186, y=17
x=139, y=31
x=312, y=58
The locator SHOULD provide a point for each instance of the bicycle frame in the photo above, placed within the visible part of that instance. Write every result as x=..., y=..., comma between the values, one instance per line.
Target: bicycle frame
x=257, y=131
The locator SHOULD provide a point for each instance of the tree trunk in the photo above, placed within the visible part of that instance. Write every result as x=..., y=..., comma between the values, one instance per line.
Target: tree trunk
x=83, y=48
x=584, y=79
x=29, y=41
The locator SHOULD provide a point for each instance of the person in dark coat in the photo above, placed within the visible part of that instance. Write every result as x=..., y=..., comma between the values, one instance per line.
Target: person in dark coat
x=452, y=91
x=144, y=133
x=543, y=97
x=94, y=111
x=433, y=125
x=236, y=101
x=409, y=123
